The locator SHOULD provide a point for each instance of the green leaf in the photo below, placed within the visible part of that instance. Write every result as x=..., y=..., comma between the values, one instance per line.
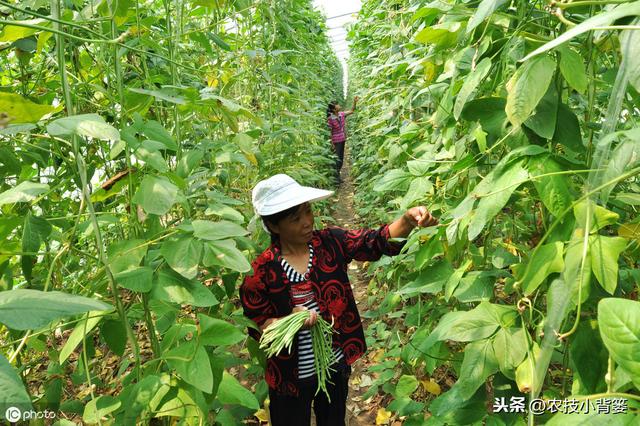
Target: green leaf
x=625, y=156
x=619, y=322
x=97, y=409
x=630, y=49
x=25, y=309
x=183, y=254
x=188, y=162
x=232, y=392
x=600, y=217
x=543, y=122
x=479, y=362
x=156, y=132
x=11, y=33
x=480, y=137
x=593, y=418
x=427, y=251
x=212, y=231
x=225, y=253
x=22, y=110
x=589, y=356
x=8, y=224
x=546, y=260
x=442, y=35
x=12, y=390
x=452, y=409
x=216, y=332
x=192, y=364
x=161, y=94
x=82, y=329
x=496, y=196
x=393, y=180
x=554, y=190
x=477, y=286
x=11, y=163
x=600, y=20
x=156, y=195
x=572, y=69
x=489, y=112
x=114, y=335
x=140, y=398
x=604, y=259
x=406, y=386
x=455, y=278
x=567, y=131
x=224, y=212
x=138, y=279
x=430, y=280
x=228, y=105
x=405, y=406
x=510, y=348
x=121, y=12
x=88, y=125
x=169, y=286
x=484, y=10
x=201, y=39
x=220, y=42
x=34, y=232
x=126, y=255
x=527, y=87
x=184, y=404
x=628, y=198
x=152, y=158
x=14, y=129
x=476, y=324
x=23, y=192
x=575, y=274
x=470, y=84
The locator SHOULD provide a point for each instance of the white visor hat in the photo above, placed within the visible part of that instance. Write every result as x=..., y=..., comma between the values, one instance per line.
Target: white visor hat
x=280, y=192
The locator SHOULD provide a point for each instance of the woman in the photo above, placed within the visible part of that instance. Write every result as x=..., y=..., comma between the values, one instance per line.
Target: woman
x=307, y=269
x=336, y=120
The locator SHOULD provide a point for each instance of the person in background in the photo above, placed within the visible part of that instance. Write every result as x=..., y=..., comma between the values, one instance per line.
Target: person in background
x=336, y=120
x=304, y=268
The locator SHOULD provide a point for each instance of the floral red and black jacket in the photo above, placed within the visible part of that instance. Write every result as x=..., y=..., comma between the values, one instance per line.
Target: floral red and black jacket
x=267, y=294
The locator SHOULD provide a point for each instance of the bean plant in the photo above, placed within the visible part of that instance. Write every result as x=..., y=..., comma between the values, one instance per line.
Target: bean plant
x=131, y=134
x=516, y=122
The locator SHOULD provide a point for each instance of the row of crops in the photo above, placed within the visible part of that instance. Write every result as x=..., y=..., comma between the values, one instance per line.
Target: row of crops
x=131, y=135
x=517, y=123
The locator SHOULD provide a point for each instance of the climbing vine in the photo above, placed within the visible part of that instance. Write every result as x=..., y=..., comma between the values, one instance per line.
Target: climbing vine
x=131, y=135
x=517, y=123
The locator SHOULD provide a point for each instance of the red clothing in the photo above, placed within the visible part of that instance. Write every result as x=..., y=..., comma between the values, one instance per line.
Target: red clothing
x=337, y=126
x=268, y=294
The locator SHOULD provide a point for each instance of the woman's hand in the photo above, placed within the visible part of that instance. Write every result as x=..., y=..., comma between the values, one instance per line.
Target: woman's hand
x=415, y=216
x=313, y=316
x=420, y=216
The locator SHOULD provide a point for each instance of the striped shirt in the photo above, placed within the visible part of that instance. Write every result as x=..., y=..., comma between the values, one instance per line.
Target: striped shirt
x=303, y=296
x=337, y=125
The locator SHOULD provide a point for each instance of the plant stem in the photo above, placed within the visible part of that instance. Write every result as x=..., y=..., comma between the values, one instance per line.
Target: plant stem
x=589, y=3
x=86, y=194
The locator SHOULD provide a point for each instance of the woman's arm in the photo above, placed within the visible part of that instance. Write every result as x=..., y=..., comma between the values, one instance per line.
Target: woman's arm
x=415, y=216
x=353, y=108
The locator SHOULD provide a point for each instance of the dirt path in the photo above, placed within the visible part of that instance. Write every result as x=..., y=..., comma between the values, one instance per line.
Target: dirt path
x=359, y=411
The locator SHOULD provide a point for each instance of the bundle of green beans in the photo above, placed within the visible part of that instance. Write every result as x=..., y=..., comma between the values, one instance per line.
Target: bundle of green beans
x=323, y=355
x=281, y=334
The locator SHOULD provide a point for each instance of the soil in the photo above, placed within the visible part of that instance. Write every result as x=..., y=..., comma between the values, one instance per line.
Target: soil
x=360, y=412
